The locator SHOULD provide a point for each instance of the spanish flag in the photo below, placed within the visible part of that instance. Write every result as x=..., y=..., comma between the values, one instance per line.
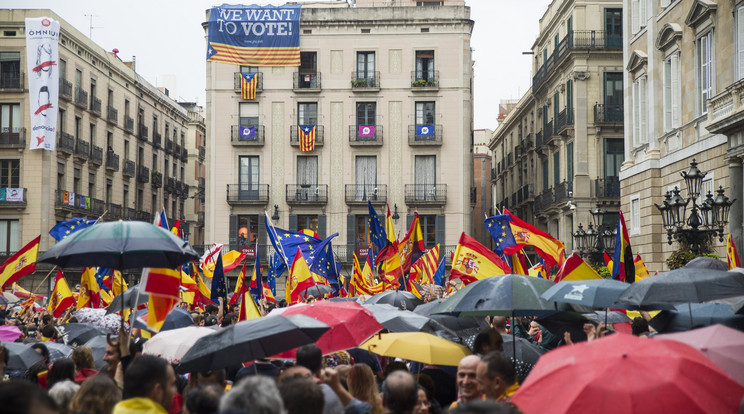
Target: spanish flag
x=248, y=308
x=546, y=246
x=575, y=268
x=306, y=135
x=23, y=293
x=731, y=255
x=230, y=261
x=267, y=294
x=473, y=261
x=240, y=287
x=163, y=285
x=248, y=82
x=20, y=264
x=61, y=297
x=640, y=268
x=89, y=296
x=412, y=243
x=204, y=292
x=176, y=229
x=299, y=279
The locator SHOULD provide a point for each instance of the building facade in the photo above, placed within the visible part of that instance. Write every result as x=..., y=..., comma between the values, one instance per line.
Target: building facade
x=371, y=77
x=118, y=140
x=481, y=193
x=683, y=66
x=195, y=176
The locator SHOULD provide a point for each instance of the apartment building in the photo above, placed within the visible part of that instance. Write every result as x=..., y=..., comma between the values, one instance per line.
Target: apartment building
x=119, y=140
x=388, y=88
x=683, y=69
x=481, y=192
x=558, y=153
x=192, y=226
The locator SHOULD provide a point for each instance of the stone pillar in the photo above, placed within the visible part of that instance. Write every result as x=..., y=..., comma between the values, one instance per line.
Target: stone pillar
x=582, y=181
x=735, y=192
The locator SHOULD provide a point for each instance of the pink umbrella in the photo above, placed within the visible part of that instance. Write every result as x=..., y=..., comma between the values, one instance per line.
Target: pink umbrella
x=721, y=344
x=9, y=333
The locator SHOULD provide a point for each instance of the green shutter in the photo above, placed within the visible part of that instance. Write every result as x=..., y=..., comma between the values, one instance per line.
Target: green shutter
x=439, y=230
x=262, y=237
x=233, y=236
x=322, y=226
x=409, y=220
x=293, y=222
x=350, y=236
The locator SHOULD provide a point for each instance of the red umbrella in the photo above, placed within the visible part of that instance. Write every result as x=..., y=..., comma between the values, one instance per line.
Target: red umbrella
x=627, y=374
x=721, y=344
x=351, y=324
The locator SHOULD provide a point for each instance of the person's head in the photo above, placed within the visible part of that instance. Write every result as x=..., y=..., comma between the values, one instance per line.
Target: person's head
x=495, y=373
x=197, y=317
x=210, y=320
x=62, y=369
x=399, y=392
x=112, y=355
x=362, y=384
x=62, y=393
x=256, y=394
x=211, y=310
x=150, y=377
x=203, y=399
x=216, y=377
x=82, y=356
x=97, y=395
x=294, y=372
x=393, y=366
x=228, y=320
x=48, y=332
x=499, y=323
x=47, y=319
x=488, y=340
x=23, y=397
x=639, y=326
x=235, y=310
x=42, y=350
x=467, y=383
x=423, y=402
x=302, y=395
x=485, y=407
x=311, y=357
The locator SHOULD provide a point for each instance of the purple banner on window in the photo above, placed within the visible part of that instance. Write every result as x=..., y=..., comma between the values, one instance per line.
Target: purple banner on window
x=247, y=132
x=366, y=131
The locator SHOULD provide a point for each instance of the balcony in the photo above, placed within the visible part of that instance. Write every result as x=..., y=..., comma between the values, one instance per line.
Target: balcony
x=184, y=154
x=143, y=133
x=128, y=213
x=247, y=194
x=96, y=156
x=359, y=194
x=259, y=82
x=128, y=124
x=66, y=143
x=564, y=122
x=13, y=198
x=424, y=80
x=200, y=217
x=114, y=211
x=365, y=135
x=176, y=150
x=157, y=179
x=202, y=152
x=426, y=194
x=97, y=207
x=13, y=139
x=11, y=81
x=185, y=188
x=294, y=139
x=82, y=150
x=608, y=114
x=307, y=194
x=726, y=112
x=66, y=202
x=170, y=185
x=112, y=161
x=527, y=193
x=65, y=90
x=563, y=192
x=143, y=174
x=306, y=82
x=202, y=183
x=365, y=81
x=251, y=135
x=157, y=139
x=539, y=139
x=81, y=97
x=129, y=169
x=168, y=146
x=95, y=105
x=424, y=135
x=112, y=115
x=608, y=187
x=144, y=216
x=544, y=200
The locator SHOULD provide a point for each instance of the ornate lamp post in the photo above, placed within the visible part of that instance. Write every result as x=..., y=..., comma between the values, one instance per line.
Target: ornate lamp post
x=597, y=238
x=711, y=214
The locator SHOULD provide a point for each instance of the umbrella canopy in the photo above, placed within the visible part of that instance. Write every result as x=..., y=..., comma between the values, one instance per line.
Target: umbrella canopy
x=177, y=318
x=683, y=285
x=398, y=298
x=703, y=314
x=100, y=317
x=526, y=355
x=568, y=321
x=9, y=333
x=57, y=351
x=417, y=346
x=722, y=345
x=351, y=324
x=626, y=374
x=316, y=291
x=10, y=298
x=130, y=296
x=121, y=245
x=21, y=356
x=608, y=317
x=173, y=345
x=505, y=295
x=75, y=334
x=396, y=320
x=250, y=340
x=597, y=293
x=98, y=345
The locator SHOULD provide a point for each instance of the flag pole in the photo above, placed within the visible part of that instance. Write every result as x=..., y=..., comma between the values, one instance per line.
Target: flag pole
x=33, y=291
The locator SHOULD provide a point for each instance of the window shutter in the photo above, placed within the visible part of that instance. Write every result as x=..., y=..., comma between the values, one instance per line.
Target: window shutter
x=262, y=237
x=642, y=6
x=644, y=111
x=439, y=230
x=233, y=236
x=409, y=220
x=667, y=85
x=740, y=42
x=322, y=226
x=350, y=235
x=635, y=26
x=293, y=222
x=676, y=92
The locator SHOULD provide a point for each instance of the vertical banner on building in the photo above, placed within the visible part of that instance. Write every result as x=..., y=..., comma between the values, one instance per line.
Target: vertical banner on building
x=254, y=35
x=42, y=56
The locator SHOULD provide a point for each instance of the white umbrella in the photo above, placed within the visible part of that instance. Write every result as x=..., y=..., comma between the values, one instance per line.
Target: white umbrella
x=173, y=344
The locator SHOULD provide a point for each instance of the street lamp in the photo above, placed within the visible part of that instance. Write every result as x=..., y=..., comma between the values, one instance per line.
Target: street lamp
x=598, y=238
x=711, y=214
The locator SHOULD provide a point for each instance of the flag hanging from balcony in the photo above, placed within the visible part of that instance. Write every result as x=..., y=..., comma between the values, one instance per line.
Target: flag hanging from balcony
x=424, y=130
x=366, y=131
x=306, y=134
x=247, y=131
x=42, y=55
x=254, y=35
x=248, y=83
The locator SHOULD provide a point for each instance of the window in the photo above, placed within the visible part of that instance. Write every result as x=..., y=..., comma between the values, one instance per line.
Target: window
x=707, y=186
x=308, y=75
x=672, y=92
x=9, y=233
x=366, y=178
x=545, y=175
x=61, y=184
x=613, y=97
x=91, y=185
x=556, y=169
x=248, y=114
x=125, y=196
x=614, y=28
x=425, y=65
x=76, y=180
x=248, y=178
x=366, y=66
x=109, y=186
x=569, y=162
x=10, y=70
x=556, y=108
x=92, y=134
x=307, y=177
x=78, y=132
x=362, y=230
x=614, y=157
x=10, y=173
x=704, y=70
x=307, y=113
x=638, y=15
x=248, y=69
x=740, y=42
x=428, y=229
x=307, y=221
x=635, y=214
x=640, y=112
x=425, y=177
x=10, y=121
x=366, y=116
x=427, y=3
x=425, y=113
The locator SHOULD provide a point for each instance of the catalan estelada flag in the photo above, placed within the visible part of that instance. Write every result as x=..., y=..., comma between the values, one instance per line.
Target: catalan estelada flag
x=575, y=268
x=248, y=82
x=20, y=264
x=731, y=254
x=306, y=134
x=61, y=297
x=473, y=261
x=621, y=262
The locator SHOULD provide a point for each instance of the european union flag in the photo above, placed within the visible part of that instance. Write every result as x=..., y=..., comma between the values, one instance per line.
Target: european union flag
x=501, y=232
x=424, y=130
x=101, y=273
x=286, y=243
x=439, y=274
x=65, y=228
x=270, y=278
x=376, y=229
x=218, y=281
x=324, y=263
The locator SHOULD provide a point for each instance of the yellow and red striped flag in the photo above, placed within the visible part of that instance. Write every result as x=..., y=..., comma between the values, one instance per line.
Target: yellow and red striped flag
x=640, y=268
x=306, y=135
x=423, y=270
x=732, y=255
x=248, y=82
x=300, y=278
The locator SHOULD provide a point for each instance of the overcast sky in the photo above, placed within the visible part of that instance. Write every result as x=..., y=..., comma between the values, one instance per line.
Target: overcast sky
x=168, y=41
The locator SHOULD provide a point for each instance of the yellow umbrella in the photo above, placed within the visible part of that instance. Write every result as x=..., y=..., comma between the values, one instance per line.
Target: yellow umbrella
x=417, y=346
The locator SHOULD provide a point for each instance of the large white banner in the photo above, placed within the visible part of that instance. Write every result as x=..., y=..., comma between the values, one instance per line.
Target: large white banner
x=42, y=57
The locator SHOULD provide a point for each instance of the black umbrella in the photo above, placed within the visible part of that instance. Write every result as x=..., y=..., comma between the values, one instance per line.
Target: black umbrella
x=250, y=340
x=608, y=317
x=396, y=320
x=130, y=296
x=678, y=320
x=121, y=245
x=596, y=293
x=21, y=356
x=560, y=323
x=427, y=309
x=316, y=291
x=98, y=345
x=75, y=334
x=58, y=350
x=523, y=353
x=398, y=298
x=177, y=318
